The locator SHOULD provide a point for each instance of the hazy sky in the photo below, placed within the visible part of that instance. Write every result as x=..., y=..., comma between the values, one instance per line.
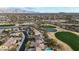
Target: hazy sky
x=54, y=9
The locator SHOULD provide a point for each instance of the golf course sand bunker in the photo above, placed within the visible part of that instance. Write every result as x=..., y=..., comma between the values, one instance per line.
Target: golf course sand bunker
x=69, y=38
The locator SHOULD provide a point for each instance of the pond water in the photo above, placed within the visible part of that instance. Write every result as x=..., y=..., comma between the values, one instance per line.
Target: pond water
x=51, y=29
x=6, y=27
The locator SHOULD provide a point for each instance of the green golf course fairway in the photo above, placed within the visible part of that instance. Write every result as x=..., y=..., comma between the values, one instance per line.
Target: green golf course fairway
x=69, y=38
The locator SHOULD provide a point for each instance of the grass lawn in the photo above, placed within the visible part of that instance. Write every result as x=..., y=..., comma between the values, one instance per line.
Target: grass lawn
x=7, y=24
x=48, y=26
x=71, y=39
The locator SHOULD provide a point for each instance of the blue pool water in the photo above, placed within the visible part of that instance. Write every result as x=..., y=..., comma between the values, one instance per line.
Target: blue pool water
x=48, y=49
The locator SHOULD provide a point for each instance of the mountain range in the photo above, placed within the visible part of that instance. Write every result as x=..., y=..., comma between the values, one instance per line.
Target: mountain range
x=16, y=10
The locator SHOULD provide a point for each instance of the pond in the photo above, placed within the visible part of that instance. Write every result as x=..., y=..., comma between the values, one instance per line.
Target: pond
x=51, y=30
x=6, y=27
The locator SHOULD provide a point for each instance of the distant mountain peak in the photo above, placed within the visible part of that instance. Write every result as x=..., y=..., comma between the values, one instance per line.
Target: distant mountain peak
x=16, y=10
